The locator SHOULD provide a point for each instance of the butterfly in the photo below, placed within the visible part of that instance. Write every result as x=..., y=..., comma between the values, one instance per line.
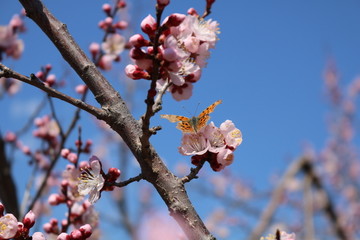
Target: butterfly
x=194, y=124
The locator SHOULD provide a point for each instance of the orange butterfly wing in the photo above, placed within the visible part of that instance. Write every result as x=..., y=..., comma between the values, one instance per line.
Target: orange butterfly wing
x=187, y=125
x=184, y=122
x=204, y=117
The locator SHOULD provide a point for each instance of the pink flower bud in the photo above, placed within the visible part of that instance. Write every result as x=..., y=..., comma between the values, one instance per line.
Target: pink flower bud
x=72, y=157
x=108, y=21
x=29, y=219
x=94, y=49
x=26, y=150
x=40, y=75
x=10, y=137
x=50, y=80
x=86, y=230
x=138, y=41
x=113, y=174
x=53, y=199
x=16, y=22
x=148, y=25
x=106, y=8
x=63, y=236
x=76, y=234
x=65, y=152
x=192, y=12
x=38, y=122
x=137, y=53
x=64, y=222
x=81, y=89
x=163, y=2
x=134, y=72
x=47, y=227
x=174, y=20
x=121, y=4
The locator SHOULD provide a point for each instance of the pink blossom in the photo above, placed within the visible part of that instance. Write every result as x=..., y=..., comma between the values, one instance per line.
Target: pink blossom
x=173, y=50
x=233, y=136
x=194, y=144
x=182, y=92
x=114, y=44
x=8, y=226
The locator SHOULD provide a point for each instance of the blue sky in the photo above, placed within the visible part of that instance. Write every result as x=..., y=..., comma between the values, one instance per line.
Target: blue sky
x=267, y=68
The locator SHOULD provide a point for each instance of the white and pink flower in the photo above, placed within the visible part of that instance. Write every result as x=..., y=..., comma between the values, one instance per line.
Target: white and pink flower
x=91, y=180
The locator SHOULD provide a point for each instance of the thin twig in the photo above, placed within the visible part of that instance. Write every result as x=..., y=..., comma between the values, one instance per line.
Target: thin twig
x=34, y=81
x=193, y=172
x=54, y=116
x=130, y=180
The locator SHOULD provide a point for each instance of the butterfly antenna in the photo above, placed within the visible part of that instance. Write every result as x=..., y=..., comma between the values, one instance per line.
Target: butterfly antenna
x=196, y=109
x=187, y=111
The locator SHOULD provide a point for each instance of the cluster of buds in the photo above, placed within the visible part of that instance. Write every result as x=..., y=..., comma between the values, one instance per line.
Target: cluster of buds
x=114, y=43
x=82, y=233
x=47, y=129
x=81, y=148
x=212, y=144
x=47, y=78
x=183, y=43
x=10, y=45
x=11, y=228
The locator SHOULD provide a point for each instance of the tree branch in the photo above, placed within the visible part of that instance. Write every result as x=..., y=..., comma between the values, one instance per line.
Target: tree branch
x=8, y=194
x=118, y=116
x=34, y=81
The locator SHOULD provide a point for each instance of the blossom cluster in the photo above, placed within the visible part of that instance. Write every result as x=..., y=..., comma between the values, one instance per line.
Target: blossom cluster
x=10, y=44
x=10, y=227
x=114, y=43
x=182, y=49
x=212, y=144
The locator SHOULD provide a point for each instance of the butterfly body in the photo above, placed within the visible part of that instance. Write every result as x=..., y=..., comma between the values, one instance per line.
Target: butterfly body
x=194, y=124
